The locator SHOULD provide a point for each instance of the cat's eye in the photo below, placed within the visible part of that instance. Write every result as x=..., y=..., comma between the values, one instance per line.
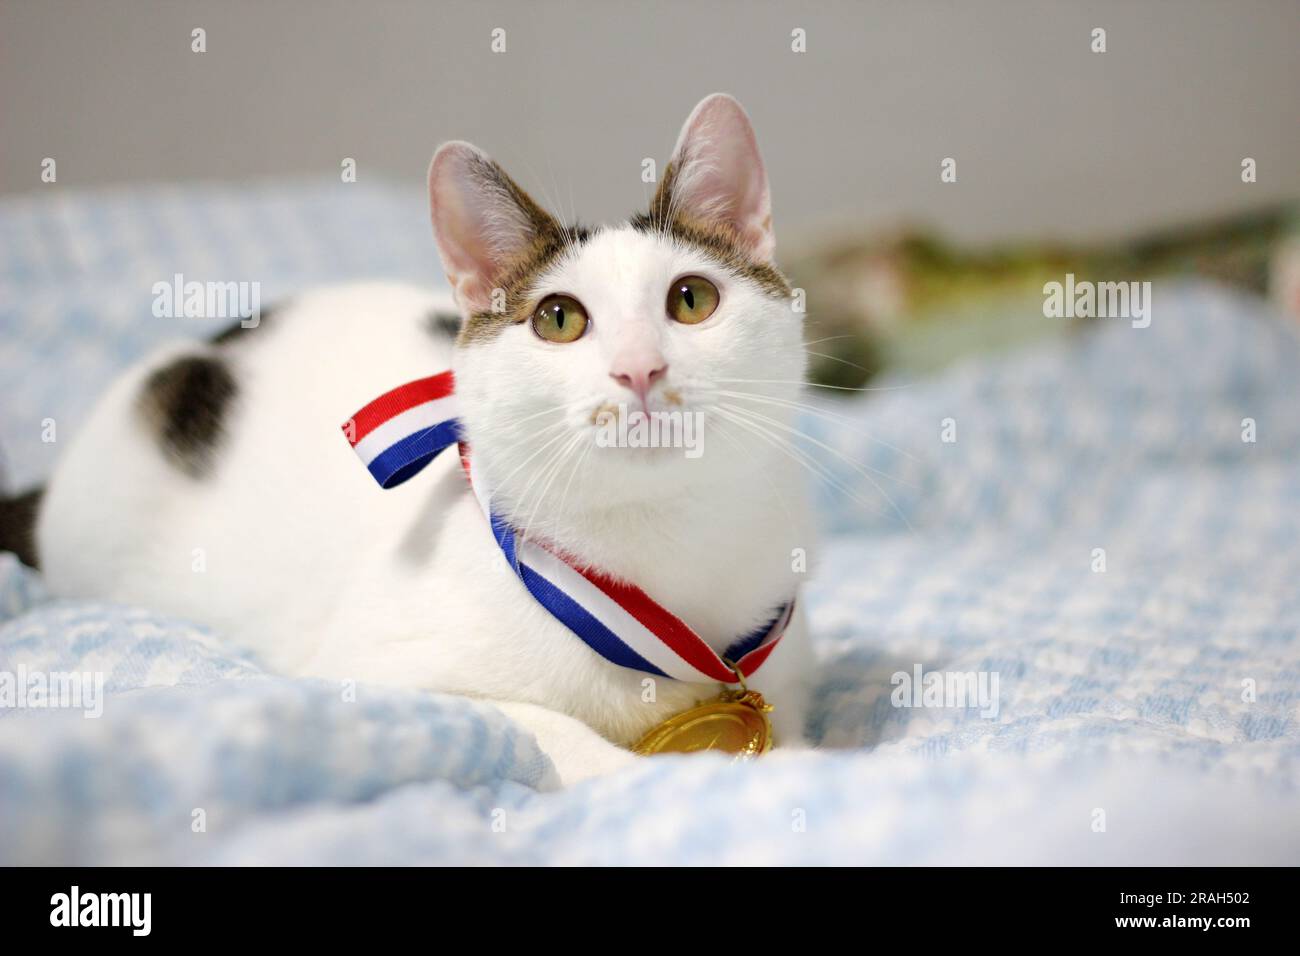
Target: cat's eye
x=692, y=299
x=560, y=318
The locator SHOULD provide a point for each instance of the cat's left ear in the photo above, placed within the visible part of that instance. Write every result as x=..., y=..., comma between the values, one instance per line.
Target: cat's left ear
x=716, y=175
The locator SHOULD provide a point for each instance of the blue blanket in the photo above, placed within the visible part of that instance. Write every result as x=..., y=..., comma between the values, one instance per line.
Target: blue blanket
x=1084, y=521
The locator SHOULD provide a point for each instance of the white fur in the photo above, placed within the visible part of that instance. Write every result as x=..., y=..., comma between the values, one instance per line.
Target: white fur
x=291, y=548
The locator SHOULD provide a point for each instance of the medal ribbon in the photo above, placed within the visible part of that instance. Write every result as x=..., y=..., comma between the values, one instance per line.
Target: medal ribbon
x=400, y=432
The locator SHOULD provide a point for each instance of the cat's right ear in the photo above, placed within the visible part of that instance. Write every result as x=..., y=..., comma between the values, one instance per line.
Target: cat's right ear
x=483, y=222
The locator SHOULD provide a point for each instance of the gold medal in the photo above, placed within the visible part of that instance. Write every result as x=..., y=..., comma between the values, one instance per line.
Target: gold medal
x=735, y=723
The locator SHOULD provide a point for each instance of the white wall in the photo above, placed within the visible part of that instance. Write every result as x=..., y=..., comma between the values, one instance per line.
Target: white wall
x=1049, y=137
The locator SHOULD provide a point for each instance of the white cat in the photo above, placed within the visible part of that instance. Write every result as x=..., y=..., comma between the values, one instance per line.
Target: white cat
x=212, y=481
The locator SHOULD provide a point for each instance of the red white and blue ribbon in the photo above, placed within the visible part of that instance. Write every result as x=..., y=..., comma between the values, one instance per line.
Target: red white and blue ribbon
x=400, y=432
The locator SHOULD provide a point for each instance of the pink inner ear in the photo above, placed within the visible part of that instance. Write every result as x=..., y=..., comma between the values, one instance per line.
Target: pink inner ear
x=720, y=174
x=476, y=223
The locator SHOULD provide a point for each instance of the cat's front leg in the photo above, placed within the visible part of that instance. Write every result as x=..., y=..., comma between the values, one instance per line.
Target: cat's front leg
x=786, y=682
x=577, y=751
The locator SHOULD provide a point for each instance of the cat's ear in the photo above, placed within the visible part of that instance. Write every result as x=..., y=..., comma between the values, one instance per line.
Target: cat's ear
x=482, y=221
x=717, y=175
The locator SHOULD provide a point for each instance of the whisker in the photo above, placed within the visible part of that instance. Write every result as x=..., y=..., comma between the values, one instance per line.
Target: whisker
x=841, y=388
x=549, y=442
x=800, y=457
x=814, y=410
x=820, y=444
x=553, y=468
x=836, y=358
x=740, y=446
x=577, y=466
x=829, y=338
x=533, y=479
x=861, y=469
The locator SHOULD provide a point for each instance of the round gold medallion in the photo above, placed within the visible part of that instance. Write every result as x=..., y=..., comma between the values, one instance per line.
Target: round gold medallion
x=735, y=723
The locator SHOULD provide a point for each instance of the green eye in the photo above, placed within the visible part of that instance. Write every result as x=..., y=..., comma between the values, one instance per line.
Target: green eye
x=692, y=299
x=560, y=318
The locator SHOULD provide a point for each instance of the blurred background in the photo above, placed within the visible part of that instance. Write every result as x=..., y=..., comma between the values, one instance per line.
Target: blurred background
x=1170, y=451
x=1117, y=164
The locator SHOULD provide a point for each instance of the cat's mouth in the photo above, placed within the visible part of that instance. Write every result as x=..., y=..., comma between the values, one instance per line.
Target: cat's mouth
x=649, y=431
x=632, y=413
x=671, y=400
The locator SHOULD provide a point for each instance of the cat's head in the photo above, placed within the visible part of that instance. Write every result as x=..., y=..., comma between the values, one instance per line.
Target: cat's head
x=567, y=328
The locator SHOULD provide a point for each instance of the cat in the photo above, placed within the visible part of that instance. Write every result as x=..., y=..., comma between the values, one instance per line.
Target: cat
x=212, y=481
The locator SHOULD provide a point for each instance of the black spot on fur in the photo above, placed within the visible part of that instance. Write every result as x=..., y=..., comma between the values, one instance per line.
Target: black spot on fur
x=443, y=324
x=185, y=404
x=18, y=525
x=239, y=331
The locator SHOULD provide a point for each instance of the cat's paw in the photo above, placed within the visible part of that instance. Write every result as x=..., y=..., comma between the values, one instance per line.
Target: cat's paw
x=577, y=752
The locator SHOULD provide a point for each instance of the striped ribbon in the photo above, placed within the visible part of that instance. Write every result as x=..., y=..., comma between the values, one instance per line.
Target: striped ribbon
x=400, y=432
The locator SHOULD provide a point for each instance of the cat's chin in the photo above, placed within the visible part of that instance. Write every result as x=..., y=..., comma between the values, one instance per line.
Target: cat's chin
x=663, y=461
x=636, y=455
x=653, y=476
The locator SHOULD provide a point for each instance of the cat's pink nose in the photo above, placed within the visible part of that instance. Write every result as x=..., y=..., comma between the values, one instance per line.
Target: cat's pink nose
x=639, y=376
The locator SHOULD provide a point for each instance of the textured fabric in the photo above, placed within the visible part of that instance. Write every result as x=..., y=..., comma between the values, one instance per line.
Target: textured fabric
x=77, y=274
x=1148, y=713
